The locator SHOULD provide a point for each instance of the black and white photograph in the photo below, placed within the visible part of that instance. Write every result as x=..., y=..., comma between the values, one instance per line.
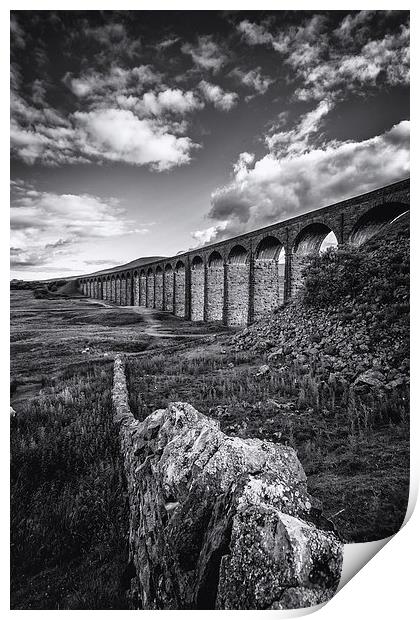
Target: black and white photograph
x=209, y=303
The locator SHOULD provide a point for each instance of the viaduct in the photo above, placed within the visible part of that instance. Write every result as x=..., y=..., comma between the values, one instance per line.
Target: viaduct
x=238, y=280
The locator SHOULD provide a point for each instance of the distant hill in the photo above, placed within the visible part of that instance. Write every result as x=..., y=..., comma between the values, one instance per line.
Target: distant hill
x=137, y=262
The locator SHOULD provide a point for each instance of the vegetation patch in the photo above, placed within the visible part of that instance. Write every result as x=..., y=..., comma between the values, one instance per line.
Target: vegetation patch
x=68, y=498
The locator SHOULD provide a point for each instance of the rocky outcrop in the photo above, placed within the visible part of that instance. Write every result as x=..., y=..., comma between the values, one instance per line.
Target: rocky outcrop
x=357, y=335
x=217, y=521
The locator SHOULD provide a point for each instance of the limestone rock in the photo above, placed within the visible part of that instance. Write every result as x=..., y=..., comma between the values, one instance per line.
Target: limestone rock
x=218, y=521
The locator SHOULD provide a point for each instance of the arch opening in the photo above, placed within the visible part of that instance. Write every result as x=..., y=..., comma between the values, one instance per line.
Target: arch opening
x=215, y=287
x=269, y=269
x=159, y=288
x=374, y=220
x=311, y=241
x=136, y=288
x=143, y=287
x=150, y=288
x=168, y=295
x=123, y=300
x=237, y=282
x=197, y=289
x=238, y=255
x=118, y=290
x=179, y=289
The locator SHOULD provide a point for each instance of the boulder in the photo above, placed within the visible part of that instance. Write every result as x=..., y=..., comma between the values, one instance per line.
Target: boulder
x=372, y=378
x=218, y=521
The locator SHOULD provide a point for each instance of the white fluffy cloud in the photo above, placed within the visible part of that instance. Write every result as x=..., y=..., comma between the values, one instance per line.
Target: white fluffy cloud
x=118, y=135
x=102, y=135
x=221, y=99
x=273, y=188
x=46, y=226
x=172, y=101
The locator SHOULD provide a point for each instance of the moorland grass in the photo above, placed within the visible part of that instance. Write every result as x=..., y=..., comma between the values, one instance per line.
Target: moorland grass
x=68, y=498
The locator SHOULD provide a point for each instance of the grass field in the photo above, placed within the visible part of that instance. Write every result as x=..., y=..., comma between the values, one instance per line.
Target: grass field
x=68, y=493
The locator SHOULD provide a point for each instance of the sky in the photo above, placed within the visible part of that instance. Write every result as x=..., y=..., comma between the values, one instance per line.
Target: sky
x=147, y=133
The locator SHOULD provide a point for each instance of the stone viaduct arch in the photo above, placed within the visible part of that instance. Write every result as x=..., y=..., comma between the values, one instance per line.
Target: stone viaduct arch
x=307, y=244
x=215, y=287
x=168, y=302
x=239, y=280
x=150, y=288
x=179, y=290
x=143, y=286
x=373, y=220
x=197, y=289
x=237, y=286
x=136, y=288
x=269, y=266
x=159, y=288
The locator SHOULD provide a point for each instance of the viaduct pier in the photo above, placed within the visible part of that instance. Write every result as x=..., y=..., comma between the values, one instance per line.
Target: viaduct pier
x=238, y=280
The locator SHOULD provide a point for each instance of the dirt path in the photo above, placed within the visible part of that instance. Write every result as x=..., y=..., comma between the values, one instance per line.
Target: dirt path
x=158, y=329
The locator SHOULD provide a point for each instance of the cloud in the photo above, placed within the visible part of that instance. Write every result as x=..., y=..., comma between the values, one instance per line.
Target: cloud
x=125, y=81
x=221, y=99
x=17, y=35
x=254, y=34
x=166, y=43
x=112, y=41
x=298, y=140
x=100, y=135
x=46, y=226
x=170, y=100
x=207, y=54
x=118, y=135
x=253, y=79
x=274, y=188
x=327, y=62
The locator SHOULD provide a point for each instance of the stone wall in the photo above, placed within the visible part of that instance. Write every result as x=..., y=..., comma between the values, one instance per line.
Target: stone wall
x=118, y=291
x=252, y=285
x=123, y=300
x=169, y=290
x=129, y=289
x=150, y=290
x=197, y=292
x=237, y=294
x=179, y=297
x=215, y=292
x=143, y=287
x=136, y=289
x=218, y=522
x=159, y=290
x=268, y=286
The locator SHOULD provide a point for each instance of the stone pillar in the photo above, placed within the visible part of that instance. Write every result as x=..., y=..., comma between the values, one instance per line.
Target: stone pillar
x=143, y=289
x=226, y=293
x=159, y=289
x=251, y=288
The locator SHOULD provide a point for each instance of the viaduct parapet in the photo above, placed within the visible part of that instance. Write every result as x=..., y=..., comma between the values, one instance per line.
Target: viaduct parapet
x=238, y=280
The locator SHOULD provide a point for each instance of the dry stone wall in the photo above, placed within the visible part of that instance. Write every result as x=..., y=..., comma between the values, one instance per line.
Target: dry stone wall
x=217, y=521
